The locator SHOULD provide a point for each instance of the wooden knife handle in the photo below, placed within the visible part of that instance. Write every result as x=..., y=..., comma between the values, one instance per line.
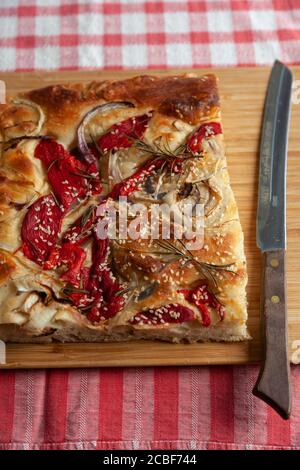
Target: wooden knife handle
x=273, y=384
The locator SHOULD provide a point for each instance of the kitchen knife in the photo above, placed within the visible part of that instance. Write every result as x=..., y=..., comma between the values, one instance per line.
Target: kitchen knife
x=273, y=384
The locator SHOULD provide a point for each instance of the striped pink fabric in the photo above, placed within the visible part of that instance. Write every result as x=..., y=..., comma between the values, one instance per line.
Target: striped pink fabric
x=160, y=408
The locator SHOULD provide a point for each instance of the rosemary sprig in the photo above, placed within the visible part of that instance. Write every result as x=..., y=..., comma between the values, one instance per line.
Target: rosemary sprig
x=84, y=219
x=86, y=232
x=130, y=289
x=84, y=175
x=52, y=164
x=16, y=140
x=213, y=227
x=162, y=151
x=124, y=291
x=170, y=249
x=92, y=137
x=68, y=290
x=86, y=215
x=208, y=269
x=86, y=308
x=55, y=199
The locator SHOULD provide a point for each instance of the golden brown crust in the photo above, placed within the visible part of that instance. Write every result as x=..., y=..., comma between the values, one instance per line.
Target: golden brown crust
x=7, y=267
x=186, y=98
x=17, y=120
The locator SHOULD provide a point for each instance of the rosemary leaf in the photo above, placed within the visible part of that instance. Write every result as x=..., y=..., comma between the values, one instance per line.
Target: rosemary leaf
x=84, y=175
x=86, y=215
x=68, y=290
x=55, y=199
x=52, y=164
x=96, y=144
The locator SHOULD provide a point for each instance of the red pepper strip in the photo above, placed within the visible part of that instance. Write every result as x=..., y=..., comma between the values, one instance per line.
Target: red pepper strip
x=122, y=135
x=40, y=229
x=99, y=251
x=81, y=299
x=172, y=313
x=79, y=231
x=107, y=290
x=101, y=298
x=94, y=183
x=103, y=287
x=131, y=184
x=203, y=298
x=53, y=258
x=74, y=236
x=206, y=130
x=73, y=256
x=64, y=173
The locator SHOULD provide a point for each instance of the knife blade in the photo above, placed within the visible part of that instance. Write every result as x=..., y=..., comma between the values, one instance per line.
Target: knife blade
x=273, y=383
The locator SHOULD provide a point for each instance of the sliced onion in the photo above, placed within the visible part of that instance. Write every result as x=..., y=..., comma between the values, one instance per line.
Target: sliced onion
x=102, y=108
x=114, y=172
x=208, y=195
x=213, y=201
x=159, y=184
x=35, y=106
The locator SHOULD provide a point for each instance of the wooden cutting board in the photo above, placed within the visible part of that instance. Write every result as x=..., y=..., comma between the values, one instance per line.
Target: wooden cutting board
x=242, y=94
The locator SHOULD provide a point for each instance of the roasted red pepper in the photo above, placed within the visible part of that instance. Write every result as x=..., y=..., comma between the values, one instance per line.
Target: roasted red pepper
x=132, y=183
x=171, y=313
x=98, y=293
x=40, y=229
x=106, y=289
x=103, y=286
x=79, y=232
x=42, y=222
x=53, y=258
x=66, y=174
x=122, y=135
x=73, y=256
x=203, y=298
x=205, y=131
x=100, y=251
x=81, y=298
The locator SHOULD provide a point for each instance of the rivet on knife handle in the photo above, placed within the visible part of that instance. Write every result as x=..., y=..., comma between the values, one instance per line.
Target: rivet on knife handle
x=273, y=384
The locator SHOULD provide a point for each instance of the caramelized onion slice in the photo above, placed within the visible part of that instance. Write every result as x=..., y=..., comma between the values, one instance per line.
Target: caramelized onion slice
x=102, y=108
x=38, y=125
x=114, y=172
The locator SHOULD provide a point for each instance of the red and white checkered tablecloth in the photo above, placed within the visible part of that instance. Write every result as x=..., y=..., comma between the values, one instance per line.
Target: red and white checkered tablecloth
x=164, y=408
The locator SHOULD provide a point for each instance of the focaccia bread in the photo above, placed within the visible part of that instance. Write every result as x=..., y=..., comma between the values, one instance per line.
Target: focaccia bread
x=68, y=152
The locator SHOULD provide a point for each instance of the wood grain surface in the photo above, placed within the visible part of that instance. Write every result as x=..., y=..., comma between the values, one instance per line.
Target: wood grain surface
x=242, y=94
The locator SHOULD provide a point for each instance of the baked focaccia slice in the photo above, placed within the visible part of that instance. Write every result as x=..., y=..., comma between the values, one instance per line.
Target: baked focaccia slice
x=69, y=152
